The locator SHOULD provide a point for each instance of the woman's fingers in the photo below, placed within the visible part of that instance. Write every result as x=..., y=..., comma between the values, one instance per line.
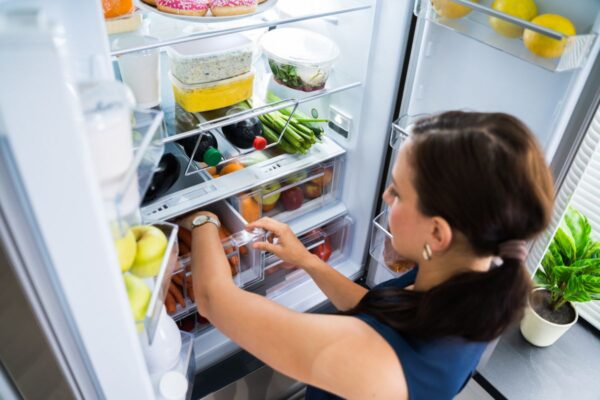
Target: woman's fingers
x=268, y=224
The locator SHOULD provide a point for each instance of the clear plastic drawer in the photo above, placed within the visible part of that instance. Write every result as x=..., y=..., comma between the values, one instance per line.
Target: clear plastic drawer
x=381, y=247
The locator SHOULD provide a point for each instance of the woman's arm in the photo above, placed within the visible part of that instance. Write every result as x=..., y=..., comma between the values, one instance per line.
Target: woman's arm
x=341, y=291
x=342, y=355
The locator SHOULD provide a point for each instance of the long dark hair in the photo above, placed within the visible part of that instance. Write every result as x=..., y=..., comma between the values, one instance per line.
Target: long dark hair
x=486, y=175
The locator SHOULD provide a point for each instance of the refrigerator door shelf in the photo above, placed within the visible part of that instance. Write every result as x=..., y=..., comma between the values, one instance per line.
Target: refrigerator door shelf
x=295, y=194
x=124, y=195
x=381, y=247
x=178, y=203
x=401, y=129
x=476, y=26
x=172, y=31
x=328, y=242
x=185, y=366
x=160, y=283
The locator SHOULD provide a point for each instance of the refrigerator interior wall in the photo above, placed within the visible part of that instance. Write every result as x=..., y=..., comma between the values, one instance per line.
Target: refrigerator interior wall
x=449, y=71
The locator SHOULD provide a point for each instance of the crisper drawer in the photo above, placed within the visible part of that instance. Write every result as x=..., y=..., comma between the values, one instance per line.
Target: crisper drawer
x=329, y=243
x=293, y=195
x=246, y=263
x=381, y=247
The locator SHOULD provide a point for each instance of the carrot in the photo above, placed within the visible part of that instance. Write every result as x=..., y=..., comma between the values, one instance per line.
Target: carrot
x=185, y=236
x=178, y=278
x=174, y=290
x=170, y=303
x=184, y=250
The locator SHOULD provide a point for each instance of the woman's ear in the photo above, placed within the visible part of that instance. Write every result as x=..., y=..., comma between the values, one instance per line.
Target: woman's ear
x=441, y=235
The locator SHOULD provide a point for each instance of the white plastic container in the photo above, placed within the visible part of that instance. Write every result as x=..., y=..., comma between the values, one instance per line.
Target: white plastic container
x=163, y=354
x=299, y=59
x=140, y=70
x=211, y=59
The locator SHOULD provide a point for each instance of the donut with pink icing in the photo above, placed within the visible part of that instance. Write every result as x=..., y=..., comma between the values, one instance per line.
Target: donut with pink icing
x=222, y=8
x=184, y=7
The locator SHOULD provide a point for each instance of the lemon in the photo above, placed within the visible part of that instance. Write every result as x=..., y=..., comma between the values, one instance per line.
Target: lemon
x=545, y=46
x=450, y=9
x=524, y=9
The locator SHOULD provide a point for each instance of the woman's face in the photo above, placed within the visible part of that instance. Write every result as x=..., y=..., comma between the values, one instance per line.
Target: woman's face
x=407, y=225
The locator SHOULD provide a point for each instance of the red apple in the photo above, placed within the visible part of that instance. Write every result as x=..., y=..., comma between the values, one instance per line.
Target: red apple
x=312, y=190
x=324, y=179
x=292, y=198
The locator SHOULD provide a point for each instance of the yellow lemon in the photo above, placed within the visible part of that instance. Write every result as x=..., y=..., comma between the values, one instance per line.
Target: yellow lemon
x=545, y=46
x=450, y=9
x=524, y=9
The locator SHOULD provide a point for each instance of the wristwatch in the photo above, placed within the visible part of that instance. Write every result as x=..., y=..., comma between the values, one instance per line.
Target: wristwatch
x=203, y=219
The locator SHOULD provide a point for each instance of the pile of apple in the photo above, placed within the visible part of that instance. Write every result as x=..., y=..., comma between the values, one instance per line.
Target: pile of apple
x=293, y=198
x=140, y=252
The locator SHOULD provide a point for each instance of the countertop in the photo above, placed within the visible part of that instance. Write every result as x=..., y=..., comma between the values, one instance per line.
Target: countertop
x=568, y=369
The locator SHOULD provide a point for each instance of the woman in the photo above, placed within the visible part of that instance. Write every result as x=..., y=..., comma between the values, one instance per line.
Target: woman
x=466, y=187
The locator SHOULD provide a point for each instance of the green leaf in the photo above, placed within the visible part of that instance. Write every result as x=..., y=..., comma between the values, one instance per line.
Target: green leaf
x=591, y=284
x=579, y=229
x=575, y=290
x=593, y=250
x=566, y=246
x=541, y=278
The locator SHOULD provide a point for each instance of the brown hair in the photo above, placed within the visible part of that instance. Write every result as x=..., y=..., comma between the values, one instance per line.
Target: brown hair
x=486, y=175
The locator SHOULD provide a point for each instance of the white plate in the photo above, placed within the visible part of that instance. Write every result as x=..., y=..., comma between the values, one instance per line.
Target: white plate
x=207, y=18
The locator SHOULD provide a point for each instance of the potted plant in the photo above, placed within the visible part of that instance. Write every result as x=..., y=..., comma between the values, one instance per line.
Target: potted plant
x=569, y=272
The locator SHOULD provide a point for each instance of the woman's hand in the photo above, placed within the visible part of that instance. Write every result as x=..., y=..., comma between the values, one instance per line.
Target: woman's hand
x=284, y=245
x=186, y=222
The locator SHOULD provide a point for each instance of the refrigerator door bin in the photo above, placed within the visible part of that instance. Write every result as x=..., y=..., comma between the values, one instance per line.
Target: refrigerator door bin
x=186, y=366
x=476, y=25
x=401, y=129
x=124, y=195
x=381, y=247
x=328, y=242
x=162, y=280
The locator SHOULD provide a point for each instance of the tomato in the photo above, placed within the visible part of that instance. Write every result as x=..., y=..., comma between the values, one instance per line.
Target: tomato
x=323, y=251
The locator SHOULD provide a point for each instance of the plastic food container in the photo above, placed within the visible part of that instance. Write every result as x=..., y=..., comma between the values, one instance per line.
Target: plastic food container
x=212, y=59
x=299, y=59
x=212, y=95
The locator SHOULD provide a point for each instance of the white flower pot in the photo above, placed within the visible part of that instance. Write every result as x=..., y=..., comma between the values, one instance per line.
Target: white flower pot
x=541, y=332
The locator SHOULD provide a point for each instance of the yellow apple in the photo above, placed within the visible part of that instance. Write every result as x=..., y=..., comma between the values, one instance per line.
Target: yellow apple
x=545, y=46
x=450, y=9
x=126, y=249
x=151, y=246
x=524, y=9
x=139, y=296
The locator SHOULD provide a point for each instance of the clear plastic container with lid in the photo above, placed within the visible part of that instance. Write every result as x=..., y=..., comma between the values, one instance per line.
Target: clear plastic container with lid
x=299, y=59
x=211, y=59
x=212, y=95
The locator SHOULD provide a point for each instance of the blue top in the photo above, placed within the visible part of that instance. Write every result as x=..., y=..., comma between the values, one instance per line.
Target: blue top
x=433, y=369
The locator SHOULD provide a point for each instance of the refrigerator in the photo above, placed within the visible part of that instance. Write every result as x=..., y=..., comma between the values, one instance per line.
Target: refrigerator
x=398, y=60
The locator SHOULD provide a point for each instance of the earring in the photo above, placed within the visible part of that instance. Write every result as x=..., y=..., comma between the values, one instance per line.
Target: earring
x=427, y=252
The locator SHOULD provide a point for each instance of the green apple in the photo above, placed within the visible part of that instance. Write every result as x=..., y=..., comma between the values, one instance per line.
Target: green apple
x=297, y=176
x=139, y=296
x=269, y=200
x=126, y=249
x=151, y=246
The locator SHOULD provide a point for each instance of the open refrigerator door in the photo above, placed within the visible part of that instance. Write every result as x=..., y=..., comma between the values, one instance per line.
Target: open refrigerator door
x=321, y=80
x=462, y=58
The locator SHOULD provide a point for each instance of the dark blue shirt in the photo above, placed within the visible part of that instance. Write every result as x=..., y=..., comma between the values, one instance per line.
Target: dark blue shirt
x=434, y=369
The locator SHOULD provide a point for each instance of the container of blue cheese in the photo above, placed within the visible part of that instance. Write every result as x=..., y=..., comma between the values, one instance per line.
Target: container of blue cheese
x=211, y=59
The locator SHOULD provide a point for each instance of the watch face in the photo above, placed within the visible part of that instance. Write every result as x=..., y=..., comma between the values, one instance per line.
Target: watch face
x=199, y=220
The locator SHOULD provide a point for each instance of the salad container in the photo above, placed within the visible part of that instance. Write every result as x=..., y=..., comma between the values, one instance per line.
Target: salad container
x=299, y=59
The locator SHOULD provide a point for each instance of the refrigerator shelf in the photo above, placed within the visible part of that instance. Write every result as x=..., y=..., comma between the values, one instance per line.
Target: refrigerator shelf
x=401, y=129
x=476, y=26
x=381, y=247
x=170, y=31
x=160, y=283
x=130, y=189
